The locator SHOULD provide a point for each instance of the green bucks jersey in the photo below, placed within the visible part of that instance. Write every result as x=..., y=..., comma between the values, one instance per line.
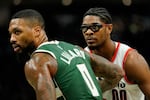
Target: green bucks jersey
x=74, y=75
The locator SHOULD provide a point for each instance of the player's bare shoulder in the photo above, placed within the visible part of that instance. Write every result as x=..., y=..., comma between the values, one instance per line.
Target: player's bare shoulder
x=40, y=62
x=134, y=58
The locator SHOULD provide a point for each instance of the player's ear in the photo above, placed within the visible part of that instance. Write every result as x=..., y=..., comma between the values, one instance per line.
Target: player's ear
x=36, y=30
x=109, y=28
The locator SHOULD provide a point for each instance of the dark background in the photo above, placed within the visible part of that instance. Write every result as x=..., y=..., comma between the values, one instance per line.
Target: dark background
x=63, y=20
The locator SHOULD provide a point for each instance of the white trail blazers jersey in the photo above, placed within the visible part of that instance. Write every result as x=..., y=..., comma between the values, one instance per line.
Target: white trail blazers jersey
x=125, y=90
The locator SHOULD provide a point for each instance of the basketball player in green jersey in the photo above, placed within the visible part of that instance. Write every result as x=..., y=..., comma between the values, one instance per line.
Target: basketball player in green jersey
x=57, y=62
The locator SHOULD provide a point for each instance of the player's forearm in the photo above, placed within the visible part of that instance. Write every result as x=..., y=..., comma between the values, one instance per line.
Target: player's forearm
x=105, y=85
x=111, y=77
x=102, y=66
x=111, y=73
x=109, y=83
x=114, y=72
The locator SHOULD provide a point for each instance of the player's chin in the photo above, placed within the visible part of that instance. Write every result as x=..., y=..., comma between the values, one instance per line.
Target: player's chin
x=17, y=50
x=91, y=47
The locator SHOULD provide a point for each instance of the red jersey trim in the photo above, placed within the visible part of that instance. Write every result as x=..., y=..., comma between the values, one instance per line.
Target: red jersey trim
x=124, y=59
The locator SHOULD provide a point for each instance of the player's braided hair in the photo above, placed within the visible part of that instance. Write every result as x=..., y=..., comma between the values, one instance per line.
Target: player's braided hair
x=100, y=12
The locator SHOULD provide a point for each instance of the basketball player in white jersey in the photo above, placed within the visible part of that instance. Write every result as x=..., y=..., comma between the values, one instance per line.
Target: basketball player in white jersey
x=96, y=28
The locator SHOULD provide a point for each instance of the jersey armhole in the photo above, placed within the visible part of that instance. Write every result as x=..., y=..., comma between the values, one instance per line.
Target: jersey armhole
x=124, y=59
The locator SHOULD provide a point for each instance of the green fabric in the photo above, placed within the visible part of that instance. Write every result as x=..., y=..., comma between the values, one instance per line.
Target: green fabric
x=74, y=75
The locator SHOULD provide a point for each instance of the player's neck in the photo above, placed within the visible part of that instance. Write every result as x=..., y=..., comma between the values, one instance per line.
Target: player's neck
x=107, y=50
x=41, y=39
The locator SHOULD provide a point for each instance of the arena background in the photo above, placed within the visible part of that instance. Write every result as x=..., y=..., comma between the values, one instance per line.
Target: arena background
x=63, y=18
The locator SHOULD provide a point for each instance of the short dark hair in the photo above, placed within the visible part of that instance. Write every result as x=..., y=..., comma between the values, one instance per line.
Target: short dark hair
x=100, y=12
x=32, y=15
